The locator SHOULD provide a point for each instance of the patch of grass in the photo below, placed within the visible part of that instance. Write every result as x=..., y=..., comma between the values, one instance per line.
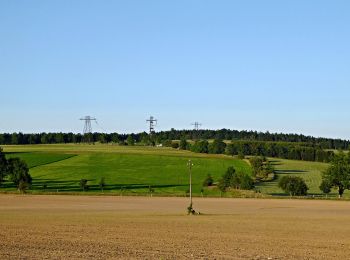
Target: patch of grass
x=39, y=158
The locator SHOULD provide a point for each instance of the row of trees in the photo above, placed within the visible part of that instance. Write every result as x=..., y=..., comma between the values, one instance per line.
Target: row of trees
x=251, y=148
x=160, y=137
x=16, y=171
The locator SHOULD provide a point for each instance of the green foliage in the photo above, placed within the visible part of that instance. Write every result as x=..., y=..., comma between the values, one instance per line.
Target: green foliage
x=338, y=173
x=286, y=150
x=175, y=145
x=262, y=168
x=83, y=184
x=200, y=146
x=18, y=171
x=217, y=147
x=326, y=186
x=208, y=181
x=184, y=144
x=23, y=186
x=293, y=185
x=3, y=166
x=167, y=143
x=130, y=140
x=236, y=180
x=241, y=156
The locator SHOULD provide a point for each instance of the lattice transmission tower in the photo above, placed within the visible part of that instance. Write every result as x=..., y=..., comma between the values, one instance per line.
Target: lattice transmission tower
x=152, y=124
x=87, y=131
x=196, y=125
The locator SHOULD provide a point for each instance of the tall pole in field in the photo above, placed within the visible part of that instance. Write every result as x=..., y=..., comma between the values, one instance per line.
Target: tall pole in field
x=190, y=164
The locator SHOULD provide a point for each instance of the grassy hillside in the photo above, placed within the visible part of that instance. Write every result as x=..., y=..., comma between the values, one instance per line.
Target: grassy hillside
x=132, y=169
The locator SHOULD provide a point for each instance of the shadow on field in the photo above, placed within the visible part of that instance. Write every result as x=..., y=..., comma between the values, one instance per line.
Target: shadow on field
x=289, y=171
x=74, y=186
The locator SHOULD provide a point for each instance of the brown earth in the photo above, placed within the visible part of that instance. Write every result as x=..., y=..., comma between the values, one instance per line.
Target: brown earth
x=84, y=227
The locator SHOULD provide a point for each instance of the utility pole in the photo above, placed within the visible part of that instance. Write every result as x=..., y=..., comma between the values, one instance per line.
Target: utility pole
x=87, y=128
x=190, y=164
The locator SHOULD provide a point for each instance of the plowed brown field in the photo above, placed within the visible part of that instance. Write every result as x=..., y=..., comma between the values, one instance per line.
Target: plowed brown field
x=84, y=227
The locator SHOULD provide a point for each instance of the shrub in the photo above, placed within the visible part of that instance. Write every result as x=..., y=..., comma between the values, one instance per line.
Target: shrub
x=236, y=180
x=184, y=144
x=208, y=181
x=326, y=186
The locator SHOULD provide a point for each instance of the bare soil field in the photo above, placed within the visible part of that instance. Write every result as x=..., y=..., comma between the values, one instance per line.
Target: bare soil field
x=87, y=227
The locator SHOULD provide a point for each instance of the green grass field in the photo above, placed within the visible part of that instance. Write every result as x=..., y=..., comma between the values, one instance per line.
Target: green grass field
x=132, y=170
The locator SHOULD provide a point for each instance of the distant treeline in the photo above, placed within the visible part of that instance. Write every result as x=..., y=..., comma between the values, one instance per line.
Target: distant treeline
x=160, y=137
x=284, y=150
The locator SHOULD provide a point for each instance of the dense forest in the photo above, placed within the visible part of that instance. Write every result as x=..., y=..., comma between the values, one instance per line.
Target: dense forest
x=160, y=137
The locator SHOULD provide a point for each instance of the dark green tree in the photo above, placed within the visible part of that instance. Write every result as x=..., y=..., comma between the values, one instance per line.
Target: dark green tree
x=130, y=140
x=18, y=171
x=3, y=166
x=326, y=186
x=293, y=185
x=338, y=173
x=183, y=144
x=217, y=147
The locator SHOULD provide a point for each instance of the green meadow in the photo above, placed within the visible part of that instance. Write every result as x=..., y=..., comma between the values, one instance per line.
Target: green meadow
x=59, y=168
x=138, y=169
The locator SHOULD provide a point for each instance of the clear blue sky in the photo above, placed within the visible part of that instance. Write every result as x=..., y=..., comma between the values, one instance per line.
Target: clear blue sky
x=282, y=66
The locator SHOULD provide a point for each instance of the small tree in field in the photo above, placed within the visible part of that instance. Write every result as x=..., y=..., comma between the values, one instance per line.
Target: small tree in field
x=338, y=173
x=83, y=184
x=18, y=172
x=293, y=185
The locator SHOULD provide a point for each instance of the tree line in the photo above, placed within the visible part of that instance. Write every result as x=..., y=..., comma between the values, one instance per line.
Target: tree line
x=293, y=151
x=160, y=137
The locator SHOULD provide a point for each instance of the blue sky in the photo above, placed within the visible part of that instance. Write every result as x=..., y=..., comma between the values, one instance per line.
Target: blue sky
x=281, y=66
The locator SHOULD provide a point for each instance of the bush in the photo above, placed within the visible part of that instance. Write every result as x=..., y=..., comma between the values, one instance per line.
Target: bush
x=293, y=185
x=184, y=144
x=167, y=143
x=236, y=180
x=209, y=181
x=241, y=156
x=326, y=186
x=217, y=147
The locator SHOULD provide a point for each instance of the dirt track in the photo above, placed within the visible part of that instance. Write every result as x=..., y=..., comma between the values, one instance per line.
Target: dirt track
x=156, y=228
